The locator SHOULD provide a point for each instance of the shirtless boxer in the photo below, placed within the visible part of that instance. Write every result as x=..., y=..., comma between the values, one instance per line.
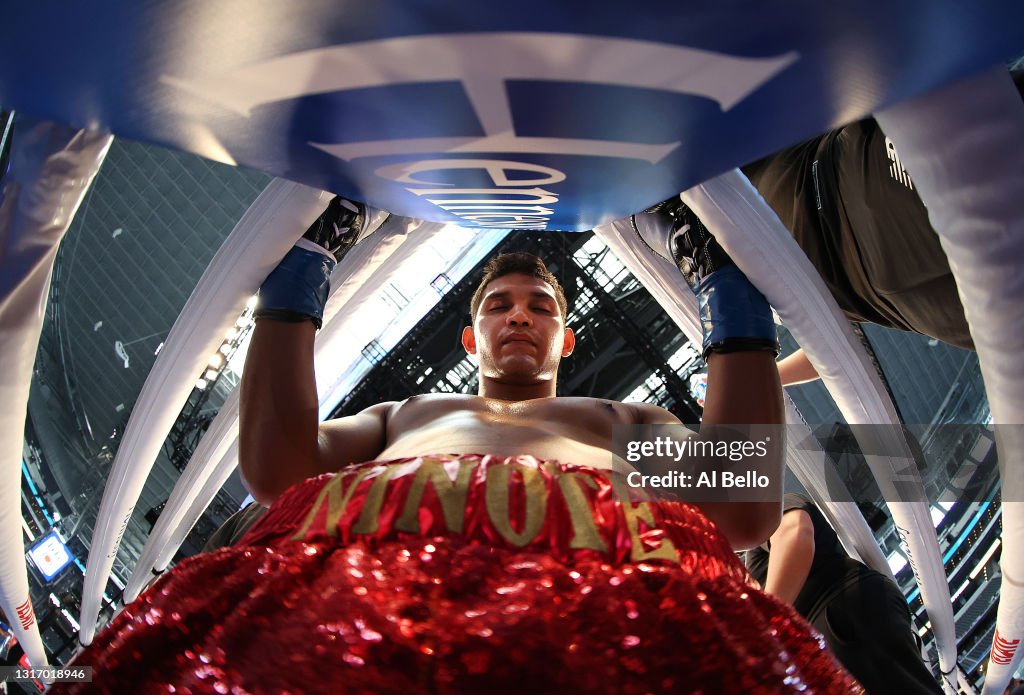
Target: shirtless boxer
x=519, y=337
x=461, y=543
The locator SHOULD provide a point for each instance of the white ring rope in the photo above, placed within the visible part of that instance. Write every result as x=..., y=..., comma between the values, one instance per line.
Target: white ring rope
x=51, y=167
x=964, y=147
x=258, y=242
x=753, y=235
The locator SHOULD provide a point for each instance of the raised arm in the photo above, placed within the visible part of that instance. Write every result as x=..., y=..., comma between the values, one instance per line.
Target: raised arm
x=278, y=410
x=740, y=346
x=280, y=439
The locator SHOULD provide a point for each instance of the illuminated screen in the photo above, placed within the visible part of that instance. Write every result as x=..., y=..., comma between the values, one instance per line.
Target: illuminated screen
x=50, y=555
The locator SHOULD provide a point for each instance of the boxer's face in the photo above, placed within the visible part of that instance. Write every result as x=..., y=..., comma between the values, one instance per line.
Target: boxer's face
x=519, y=333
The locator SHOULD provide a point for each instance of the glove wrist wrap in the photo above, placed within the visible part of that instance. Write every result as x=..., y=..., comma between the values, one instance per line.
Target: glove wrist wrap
x=734, y=315
x=297, y=289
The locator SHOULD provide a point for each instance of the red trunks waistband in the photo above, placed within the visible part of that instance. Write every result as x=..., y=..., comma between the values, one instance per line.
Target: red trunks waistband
x=519, y=502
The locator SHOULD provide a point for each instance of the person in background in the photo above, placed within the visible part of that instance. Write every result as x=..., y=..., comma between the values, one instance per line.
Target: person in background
x=854, y=211
x=861, y=613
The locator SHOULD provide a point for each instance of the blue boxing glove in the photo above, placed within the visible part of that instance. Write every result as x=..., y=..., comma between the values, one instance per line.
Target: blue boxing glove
x=734, y=315
x=297, y=289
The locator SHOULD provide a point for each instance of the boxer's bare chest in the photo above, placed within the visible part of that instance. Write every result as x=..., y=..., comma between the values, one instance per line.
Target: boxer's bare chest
x=576, y=430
